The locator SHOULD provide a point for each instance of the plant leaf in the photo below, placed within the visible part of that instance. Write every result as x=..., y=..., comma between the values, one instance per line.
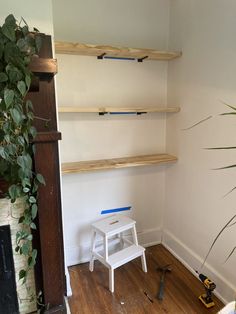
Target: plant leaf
x=3, y=153
x=229, y=226
x=16, y=116
x=9, y=31
x=26, y=182
x=17, y=249
x=34, y=210
x=22, y=274
x=40, y=178
x=14, y=191
x=29, y=105
x=23, y=45
x=34, y=253
x=24, y=161
x=8, y=97
x=226, y=147
x=25, y=30
x=230, y=254
x=32, y=258
x=10, y=20
x=29, y=237
x=33, y=131
x=33, y=226
x=230, y=106
x=201, y=121
x=25, y=248
x=216, y=238
x=21, y=87
x=226, y=167
x=24, y=21
x=230, y=191
x=13, y=73
x=32, y=199
x=28, y=80
x=21, y=140
x=3, y=77
x=227, y=113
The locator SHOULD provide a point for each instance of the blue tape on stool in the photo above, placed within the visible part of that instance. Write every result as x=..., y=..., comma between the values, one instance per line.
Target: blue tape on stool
x=115, y=210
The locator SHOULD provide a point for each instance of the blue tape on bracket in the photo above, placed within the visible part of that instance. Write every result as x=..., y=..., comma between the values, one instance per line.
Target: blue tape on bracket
x=115, y=210
x=118, y=58
x=122, y=112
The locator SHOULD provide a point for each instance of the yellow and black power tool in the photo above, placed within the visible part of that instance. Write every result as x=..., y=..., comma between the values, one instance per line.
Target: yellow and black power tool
x=209, y=285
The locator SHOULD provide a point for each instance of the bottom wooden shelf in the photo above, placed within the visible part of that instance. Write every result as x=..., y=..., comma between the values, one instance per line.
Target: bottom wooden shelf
x=115, y=163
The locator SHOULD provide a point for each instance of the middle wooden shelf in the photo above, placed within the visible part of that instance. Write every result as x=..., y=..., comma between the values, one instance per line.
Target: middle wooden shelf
x=115, y=163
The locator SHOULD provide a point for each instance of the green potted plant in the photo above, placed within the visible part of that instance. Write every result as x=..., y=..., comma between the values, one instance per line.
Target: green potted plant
x=18, y=181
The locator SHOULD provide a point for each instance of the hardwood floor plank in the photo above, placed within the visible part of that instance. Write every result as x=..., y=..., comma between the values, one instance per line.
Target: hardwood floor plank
x=132, y=285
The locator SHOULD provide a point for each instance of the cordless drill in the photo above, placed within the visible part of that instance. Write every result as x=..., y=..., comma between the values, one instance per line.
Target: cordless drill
x=209, y=285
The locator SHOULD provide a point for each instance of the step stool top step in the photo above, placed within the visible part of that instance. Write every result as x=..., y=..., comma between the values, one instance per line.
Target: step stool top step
x=124, y=256
x=113, y=224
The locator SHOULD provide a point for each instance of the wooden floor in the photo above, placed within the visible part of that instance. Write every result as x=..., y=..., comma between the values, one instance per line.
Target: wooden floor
x=91, y=294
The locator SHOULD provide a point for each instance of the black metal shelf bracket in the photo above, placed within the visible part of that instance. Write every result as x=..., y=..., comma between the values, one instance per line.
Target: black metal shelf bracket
x=105, y=56
x=101, y=56
x=141, y=59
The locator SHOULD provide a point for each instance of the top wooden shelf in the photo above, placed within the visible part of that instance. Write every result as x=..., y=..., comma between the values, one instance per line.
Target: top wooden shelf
x=74, y=109
x=110, y=51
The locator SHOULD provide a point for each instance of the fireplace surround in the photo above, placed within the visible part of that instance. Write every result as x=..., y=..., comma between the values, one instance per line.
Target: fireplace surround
x=11, y=262
x=8, y=295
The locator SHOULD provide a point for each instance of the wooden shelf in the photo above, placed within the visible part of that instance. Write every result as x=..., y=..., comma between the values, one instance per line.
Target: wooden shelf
x=70, y=109
x=110, y=51
x=115, y=163
x=43, y=66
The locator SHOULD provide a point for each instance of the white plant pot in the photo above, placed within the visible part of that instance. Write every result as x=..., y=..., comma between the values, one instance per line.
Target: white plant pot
x=9, y=215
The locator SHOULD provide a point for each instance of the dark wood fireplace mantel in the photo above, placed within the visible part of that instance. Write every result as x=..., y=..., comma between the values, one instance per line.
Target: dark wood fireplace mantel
x=50, y=273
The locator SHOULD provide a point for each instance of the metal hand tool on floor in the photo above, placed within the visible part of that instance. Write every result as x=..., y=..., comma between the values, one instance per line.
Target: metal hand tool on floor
x=163, y=270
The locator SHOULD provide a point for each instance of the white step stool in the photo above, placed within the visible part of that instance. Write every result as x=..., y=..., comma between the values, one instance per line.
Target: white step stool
x=115, y=226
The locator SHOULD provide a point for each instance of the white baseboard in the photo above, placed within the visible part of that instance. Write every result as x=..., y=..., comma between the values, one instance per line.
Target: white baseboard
x=68, y=286
x=150, y=237
x=224, y=289
x=67, y=306
x=81, y=253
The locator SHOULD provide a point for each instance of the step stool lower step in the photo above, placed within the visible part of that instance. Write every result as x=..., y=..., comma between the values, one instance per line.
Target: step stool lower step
x=124, y=256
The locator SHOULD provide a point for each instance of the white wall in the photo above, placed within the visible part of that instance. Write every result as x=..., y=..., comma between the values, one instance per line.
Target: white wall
x=195, y=209
x=132, y=23
x=36, y=13
x=86, y=81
